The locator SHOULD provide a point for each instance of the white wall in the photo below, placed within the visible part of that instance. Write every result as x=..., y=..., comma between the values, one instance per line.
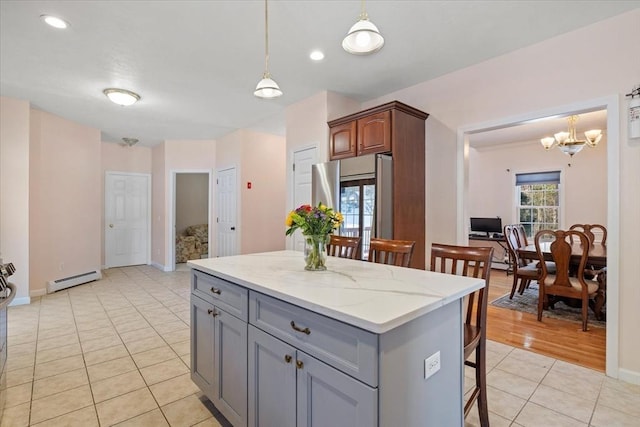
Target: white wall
x=192, y=202
x=584, y=181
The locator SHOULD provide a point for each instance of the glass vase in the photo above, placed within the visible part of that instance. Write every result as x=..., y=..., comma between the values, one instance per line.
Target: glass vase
x=315, y=252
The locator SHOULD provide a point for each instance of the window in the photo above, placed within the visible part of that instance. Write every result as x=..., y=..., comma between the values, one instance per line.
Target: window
x=357, y=203
x=538, y=201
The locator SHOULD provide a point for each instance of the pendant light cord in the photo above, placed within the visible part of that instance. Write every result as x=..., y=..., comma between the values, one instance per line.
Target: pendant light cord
x=363, y=12
x=266, y=40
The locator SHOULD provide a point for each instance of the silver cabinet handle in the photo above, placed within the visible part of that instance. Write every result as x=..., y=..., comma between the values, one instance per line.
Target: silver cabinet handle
x=215, y=291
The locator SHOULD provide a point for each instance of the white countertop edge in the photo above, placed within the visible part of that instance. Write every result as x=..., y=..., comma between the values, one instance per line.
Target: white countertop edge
x=378, y=328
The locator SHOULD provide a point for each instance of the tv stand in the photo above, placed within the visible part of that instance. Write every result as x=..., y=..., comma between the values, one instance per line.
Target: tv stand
x=497, y=262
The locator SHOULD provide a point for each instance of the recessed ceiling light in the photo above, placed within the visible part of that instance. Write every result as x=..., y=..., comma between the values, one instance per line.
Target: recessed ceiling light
x=54, y=21
x=316, y=55
x=121, y=96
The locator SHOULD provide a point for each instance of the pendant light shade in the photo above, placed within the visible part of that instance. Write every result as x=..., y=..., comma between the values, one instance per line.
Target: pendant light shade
x=267, y=87
x=364, y=37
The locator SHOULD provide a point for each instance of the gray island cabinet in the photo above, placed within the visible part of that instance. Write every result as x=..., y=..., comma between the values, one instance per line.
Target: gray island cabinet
x=273, y=345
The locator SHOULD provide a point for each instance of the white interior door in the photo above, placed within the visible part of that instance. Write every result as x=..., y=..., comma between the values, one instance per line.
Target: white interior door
x=126, y=219
x=226, y=212
x=302, y=161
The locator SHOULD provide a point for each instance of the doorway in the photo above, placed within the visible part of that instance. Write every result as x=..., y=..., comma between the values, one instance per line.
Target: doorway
x=611, y=105
x=127, y=219
x=190, y=216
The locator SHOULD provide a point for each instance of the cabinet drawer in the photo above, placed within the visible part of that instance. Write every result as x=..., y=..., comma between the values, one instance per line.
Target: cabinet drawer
x=226, y=295
x=349, y=349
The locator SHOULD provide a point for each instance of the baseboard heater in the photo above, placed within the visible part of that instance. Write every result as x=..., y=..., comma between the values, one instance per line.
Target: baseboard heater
x=78, y=279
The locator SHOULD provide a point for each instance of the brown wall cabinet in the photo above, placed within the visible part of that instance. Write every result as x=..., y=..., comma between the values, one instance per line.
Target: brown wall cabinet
x=398, y=129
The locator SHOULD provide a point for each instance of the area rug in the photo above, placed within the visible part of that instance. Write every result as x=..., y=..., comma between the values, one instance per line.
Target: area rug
x=528, y=303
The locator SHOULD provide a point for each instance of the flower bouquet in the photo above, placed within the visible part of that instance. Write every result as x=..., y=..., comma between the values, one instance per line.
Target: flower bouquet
x=316, y=224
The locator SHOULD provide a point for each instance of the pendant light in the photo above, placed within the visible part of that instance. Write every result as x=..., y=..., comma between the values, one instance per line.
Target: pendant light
x=267, y=88
x=363, y=38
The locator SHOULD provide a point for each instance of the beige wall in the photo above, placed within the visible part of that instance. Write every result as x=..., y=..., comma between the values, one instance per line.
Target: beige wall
x=192, y=200
x=259, y=158
x=594, y=62
x=264, y=165
x=66, y=204
x=584, y=183
x=14, y=191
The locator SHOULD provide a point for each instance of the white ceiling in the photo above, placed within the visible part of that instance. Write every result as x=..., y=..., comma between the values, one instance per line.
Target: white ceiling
x=196, y=63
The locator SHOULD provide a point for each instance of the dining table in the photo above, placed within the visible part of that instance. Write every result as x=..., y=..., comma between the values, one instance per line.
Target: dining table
x=596, y=261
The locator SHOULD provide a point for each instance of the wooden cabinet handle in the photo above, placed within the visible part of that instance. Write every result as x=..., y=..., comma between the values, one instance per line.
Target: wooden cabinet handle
x=287, y=358
x=215, y=291
x=295, y=328
x=299, y=364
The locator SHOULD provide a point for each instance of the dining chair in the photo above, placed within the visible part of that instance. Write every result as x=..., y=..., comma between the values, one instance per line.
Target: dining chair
x=392, y=252
x=562, y=284
x=343, y=246
x=524, y=271
x=473, y=262
x=588, y=229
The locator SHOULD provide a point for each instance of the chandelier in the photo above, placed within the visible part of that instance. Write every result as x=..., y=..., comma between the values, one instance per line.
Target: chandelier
x=568, y=142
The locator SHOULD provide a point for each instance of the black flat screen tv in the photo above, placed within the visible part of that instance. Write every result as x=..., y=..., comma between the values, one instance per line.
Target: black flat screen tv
x=486, y=225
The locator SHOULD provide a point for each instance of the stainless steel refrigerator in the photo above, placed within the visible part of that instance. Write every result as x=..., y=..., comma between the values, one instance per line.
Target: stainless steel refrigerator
x=361, y=189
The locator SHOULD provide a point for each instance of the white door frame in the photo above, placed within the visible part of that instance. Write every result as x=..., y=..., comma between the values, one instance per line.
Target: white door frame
x=612, y=105
x=238, y=190
x=172, y=212
x=149, y=211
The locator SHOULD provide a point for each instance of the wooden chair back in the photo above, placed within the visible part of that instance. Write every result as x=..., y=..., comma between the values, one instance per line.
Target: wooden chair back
x=588, y=229
x=522, y=235
x=466, y=261
x=513, y=244
x=392, y=252
x=343, y=246
x=561, y=248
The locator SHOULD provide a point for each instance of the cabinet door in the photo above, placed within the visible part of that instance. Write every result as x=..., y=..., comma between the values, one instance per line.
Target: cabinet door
x=230, y=364
x=327, y=397
x=342, y=143
x=202, y=345
x=272, y=381
x=374, y=133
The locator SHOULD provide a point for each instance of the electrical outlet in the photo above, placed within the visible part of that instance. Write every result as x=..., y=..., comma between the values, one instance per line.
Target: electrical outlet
x=431, y=365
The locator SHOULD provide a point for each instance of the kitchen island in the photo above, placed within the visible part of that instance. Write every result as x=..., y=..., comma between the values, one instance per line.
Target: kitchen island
x=274, y=345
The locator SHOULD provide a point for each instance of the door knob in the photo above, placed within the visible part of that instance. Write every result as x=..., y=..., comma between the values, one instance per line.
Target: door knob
x=110, y=225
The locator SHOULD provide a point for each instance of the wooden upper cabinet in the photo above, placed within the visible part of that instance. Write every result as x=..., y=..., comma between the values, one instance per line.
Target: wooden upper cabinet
x=343, y=141
x=374, y=133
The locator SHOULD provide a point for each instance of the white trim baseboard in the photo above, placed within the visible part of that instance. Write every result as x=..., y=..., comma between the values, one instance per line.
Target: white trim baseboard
x=20, y=301
x=629, y=376
x=38, y=293
x=160, y=267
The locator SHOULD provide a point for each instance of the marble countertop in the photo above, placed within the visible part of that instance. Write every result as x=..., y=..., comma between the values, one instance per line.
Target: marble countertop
x=374, y=297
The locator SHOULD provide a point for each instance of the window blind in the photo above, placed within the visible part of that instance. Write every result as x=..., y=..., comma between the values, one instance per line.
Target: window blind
x=552, y=177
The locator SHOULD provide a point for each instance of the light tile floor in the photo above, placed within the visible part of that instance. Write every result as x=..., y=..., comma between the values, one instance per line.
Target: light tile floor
x=116, y=352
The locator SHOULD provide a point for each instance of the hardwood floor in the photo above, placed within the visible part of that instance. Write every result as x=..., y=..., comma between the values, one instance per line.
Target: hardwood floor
x=555, y=338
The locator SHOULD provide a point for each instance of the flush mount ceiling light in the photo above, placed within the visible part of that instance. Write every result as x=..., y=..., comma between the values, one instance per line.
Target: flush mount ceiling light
x=54, y=21
x=568, y=142
x=363, y=38
x=129, y=142
x=267, y=88
x=121, y=96
x=316, y=55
